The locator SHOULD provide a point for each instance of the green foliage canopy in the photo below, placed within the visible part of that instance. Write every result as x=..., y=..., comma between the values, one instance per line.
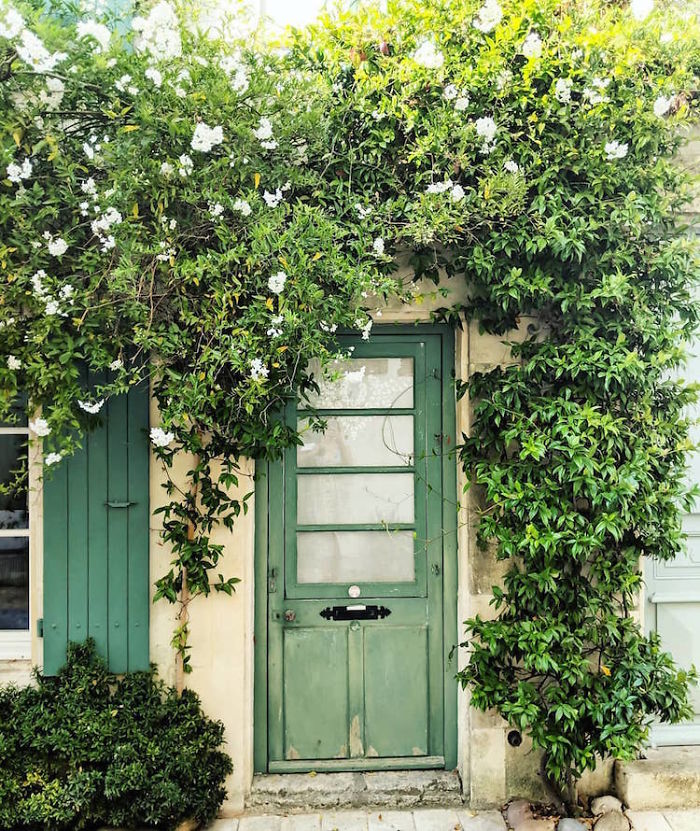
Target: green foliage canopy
x=525, y=148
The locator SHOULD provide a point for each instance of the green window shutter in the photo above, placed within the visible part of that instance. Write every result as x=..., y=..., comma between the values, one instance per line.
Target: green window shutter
x=96, y=538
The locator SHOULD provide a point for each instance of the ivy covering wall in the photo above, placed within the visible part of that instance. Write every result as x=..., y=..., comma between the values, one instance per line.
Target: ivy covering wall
x=183, y=200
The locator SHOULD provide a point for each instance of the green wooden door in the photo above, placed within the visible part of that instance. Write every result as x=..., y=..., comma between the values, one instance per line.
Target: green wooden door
x=356, y=650
x=96, y=519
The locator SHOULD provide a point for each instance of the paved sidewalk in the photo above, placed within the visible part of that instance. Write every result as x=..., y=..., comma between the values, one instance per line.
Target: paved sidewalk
x=431, y=820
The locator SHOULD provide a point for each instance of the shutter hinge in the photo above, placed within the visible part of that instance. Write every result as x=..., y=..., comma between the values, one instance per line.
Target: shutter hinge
x=272, y=581
x=40, y=627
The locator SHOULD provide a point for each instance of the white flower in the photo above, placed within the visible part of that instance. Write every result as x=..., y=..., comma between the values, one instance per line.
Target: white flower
x=641, y=9
x=154, y=75
x=166, y=169
x=562, y=90
x=276, y=282
x=439, y=187
x=242, y=207
x=215, y=209
x=594, y=94
x=486, y=128
x=272, y=200
x=378, y=246
x=33, y=52
x=13, y=363
x=9, y=321
x=97, y=31
x=532, y=46
x=450, y=92
x=428, y=55
x=57, y=246
x=490, y=15
x=116, y=365
x=11, y=23
x=40, y=427
x=511, y=166
x=123, y=82
x=365, y=326
x=662, y=105
x=264, y=130
x=66, y=292
x=362, y=211
x=52, y=459
x=16, y=172
x=52, y=307
x=92, y=408
x=206, y=137
x=159, y=33
x=462, y=103
x=457, y=193
x=615, y=150
x=38, y=284
x=160, y=438
x=233, y=67
x=258, y=370
x=89, y=187
x=186, y=165
x=275, y=329
x=110, y=217
x=52, y=96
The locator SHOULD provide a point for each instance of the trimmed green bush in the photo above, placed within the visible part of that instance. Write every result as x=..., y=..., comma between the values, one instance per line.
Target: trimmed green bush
x=89, y=748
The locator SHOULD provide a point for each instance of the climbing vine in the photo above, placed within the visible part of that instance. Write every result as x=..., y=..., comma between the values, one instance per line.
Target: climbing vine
x=184, y=202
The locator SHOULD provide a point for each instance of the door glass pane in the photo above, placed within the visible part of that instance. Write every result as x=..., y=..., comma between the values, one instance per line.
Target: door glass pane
x=357, y=383
x=13, y=491
x=349, y=441
x=325, y=498
x=355, y=557
x=14, y=583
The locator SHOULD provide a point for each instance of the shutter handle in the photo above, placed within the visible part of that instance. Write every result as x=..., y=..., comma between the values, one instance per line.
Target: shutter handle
x=115, y=504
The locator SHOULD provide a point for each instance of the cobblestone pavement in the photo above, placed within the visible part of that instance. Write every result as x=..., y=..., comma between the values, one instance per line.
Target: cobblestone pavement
x=431, y=820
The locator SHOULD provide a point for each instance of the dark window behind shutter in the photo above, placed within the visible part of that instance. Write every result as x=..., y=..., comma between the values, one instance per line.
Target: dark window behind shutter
x=96, y=538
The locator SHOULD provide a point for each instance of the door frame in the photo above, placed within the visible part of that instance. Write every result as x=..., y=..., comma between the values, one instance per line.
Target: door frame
x=449, y=572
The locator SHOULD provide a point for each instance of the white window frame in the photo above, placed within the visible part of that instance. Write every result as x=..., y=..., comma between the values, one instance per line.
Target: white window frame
x=16, y=644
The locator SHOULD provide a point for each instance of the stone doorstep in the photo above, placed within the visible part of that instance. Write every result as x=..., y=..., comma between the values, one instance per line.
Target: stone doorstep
x=669, y=777
x=298, y=792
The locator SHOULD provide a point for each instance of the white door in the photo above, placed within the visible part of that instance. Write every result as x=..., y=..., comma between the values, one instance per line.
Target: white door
x=673, y=599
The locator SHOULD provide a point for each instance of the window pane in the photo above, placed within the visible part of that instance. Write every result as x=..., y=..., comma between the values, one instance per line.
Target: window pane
x=355, y=557
x=365, y=382
x=349, y=441
x=13, y=492
x=14, y=583
x=326, y=498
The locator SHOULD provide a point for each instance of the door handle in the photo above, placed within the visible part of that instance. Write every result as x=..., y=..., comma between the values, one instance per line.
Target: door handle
x=113, y=503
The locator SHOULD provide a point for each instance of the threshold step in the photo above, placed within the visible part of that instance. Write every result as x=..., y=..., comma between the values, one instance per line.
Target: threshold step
x=668, y=777
x=293, y=792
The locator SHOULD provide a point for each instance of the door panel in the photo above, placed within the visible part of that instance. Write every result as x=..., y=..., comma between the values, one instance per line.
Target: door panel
x=315, y=693
x=396, y=691
x=355, y=643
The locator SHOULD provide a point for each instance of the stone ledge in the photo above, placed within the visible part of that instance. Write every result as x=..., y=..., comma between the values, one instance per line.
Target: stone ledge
x=669, y=777
x=291, y=792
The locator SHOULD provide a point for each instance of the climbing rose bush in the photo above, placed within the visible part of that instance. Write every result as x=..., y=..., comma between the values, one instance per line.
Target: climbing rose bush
x=185, y=201
x=165, y=217
x=526, y=149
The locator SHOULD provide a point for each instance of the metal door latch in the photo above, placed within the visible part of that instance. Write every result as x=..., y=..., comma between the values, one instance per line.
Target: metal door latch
x=290, y=615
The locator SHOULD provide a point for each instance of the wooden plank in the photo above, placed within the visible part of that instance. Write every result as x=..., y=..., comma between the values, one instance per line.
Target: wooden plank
x=117, y=535
x=137, y=518
x=77, y=547
x=98, y=575
x=55, y=569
